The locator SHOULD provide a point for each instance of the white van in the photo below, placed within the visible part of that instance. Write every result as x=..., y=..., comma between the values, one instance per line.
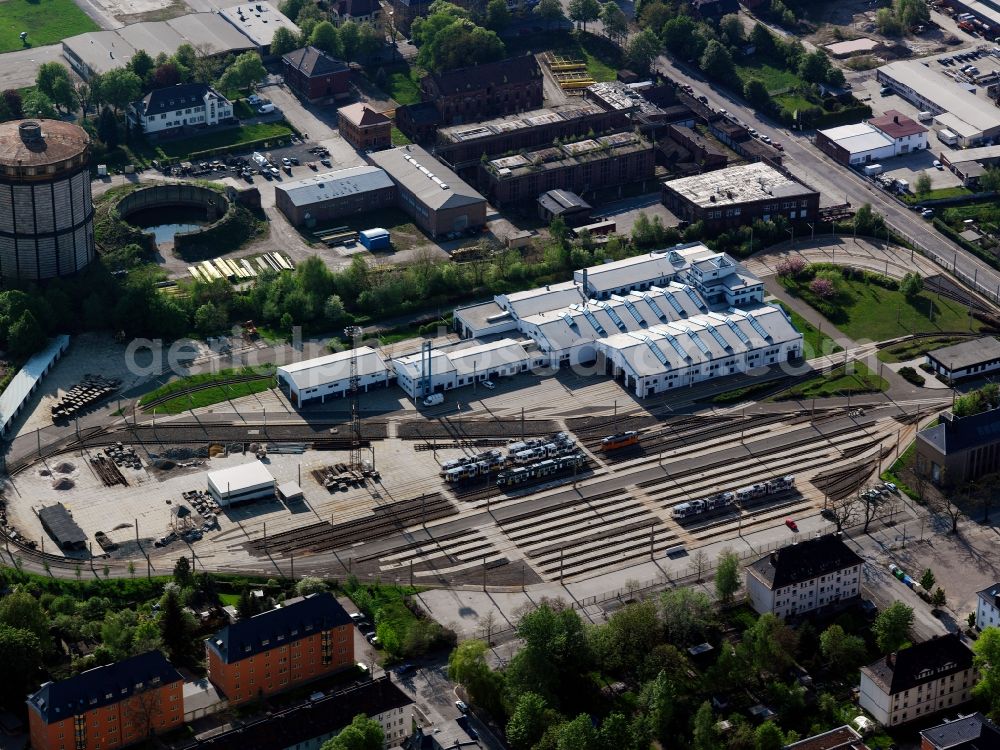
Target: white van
x=925, y=116
x=434, y=399
x=946, y=136
x=266, y=108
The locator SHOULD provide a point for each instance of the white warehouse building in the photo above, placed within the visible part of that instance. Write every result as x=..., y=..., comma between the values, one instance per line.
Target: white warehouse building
x=318, y=378
x=437, y=371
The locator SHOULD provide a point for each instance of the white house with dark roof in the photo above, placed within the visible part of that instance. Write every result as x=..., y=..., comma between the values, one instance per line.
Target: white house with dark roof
x=186, y=105
x=915, y=682
x=988, y=607
x=811, y=575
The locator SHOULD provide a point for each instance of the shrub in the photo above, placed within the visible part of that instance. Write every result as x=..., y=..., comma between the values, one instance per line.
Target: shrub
x=912, y=376
x=823, y=288
x=792, y=267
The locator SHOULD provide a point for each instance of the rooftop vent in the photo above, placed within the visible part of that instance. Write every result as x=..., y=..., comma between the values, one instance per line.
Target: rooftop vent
x=30, y=131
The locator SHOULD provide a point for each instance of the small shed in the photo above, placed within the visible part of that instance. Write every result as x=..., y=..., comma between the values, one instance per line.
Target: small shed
x=565, y=204
x=375, y=239
x=59, y=523
x=239, y=484
x=289, y=491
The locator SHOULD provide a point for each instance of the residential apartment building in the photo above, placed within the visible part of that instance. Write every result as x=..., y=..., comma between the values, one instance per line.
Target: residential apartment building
x=581, y=167
x=170, y=110
x=358, y=11
x=813, y=575
x=918, y=681
x=108, y=707
x=305, y=639
x=363, y=127
x=988, y=607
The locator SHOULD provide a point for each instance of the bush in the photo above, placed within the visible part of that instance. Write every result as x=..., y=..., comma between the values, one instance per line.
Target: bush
x=824, y=288
x=912, y=376
x=792, y=267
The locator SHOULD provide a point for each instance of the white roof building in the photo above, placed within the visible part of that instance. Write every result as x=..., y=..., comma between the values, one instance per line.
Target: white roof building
x=700, y=348
x=639, y=272
x=315, y=379
x=240, y=484
x=971, y=117
x=258, y=21
x=458, y=367
x=861, y=141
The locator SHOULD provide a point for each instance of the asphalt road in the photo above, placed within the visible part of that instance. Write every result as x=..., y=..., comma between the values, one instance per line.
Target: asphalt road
x=839, y=184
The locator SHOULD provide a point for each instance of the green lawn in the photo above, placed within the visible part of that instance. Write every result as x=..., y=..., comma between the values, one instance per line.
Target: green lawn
x=837, y=382
x=867, y=312
x=914, y=348
x=894, y=473
x=815, y=344
x=206, y=396
x=792, y=102
x=404, y=86
x=46, y=21
x=937, y=194
x=399, y=138
x=602, y=58
x=229, y=600
x=775, y=79
x=243, y=135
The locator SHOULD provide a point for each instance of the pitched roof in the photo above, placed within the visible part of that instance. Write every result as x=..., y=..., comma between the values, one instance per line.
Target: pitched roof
x=102, y=686
x=561, y=201
x=967, y=353
x=513, y=70
x=60, y=524
x=425, y=177
x=931, y=660
x=897, y=125
x=356, y=8
x=174, y=97
x=313, y=62
x=805, y=561
x=362, y=116
x=973, y=732
x=835, y=739
x=955, y=434
x=296, y=619
x=331, y=185
x=990, y=593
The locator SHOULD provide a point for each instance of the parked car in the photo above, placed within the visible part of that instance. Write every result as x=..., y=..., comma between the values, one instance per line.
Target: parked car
x=489, y=384
x=790, y=523
x=938, y=164
x=286, y=162
x=325, y=162
x=927, y=213
x=777, y=145
x=356, y=617
x=461, y=706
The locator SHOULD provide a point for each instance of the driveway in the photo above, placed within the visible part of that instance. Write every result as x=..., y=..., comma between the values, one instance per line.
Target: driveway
x=316, y=123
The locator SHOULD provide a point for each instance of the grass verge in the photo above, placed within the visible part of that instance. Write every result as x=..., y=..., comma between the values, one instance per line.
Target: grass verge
x=914, y=348
x=236, y=138
x=815, y=344
x=46, y=21
x=210, y=394
x=837, y=382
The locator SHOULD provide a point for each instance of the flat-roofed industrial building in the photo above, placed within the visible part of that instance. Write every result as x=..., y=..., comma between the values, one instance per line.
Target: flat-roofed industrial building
x=330, y=376
x=332, y=195
x=241, y=484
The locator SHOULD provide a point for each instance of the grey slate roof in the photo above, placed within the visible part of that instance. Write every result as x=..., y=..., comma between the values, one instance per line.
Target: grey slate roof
x=313, y=62
x=973, y=732
x=330, y=185
x=559, y=201
x=519, y=69
x=805, y=561
x=412, y=168
x=297, y=618
x=61, y=525
x=173, y=98
x=102, y=686
x=921, y=663
x=967, y=353
x=961, y=433
x=835, y=739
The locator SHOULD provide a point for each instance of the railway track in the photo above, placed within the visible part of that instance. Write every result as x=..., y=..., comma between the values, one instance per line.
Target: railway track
x=458, y=430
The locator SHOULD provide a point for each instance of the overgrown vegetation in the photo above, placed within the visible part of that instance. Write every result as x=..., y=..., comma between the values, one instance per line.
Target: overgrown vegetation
x=980, y=400
x=843, y=380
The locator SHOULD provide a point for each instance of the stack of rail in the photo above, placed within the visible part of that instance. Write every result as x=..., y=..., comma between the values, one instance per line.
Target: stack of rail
x=90, y=390
x=336, y=236
x=340, y=477
x=108, y=471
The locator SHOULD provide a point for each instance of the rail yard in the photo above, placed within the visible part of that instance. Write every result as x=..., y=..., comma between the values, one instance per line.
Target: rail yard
x=456, y=499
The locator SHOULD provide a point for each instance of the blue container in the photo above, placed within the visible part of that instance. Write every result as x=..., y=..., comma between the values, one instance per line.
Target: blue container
x=375, y=239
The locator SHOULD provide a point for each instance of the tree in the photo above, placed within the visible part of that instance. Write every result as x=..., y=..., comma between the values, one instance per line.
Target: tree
x=47, y=75
x=326, y=37
x=528, y=722
x=687, y=616
x=762, y=41
x=168, y=74
x=755, y=92
x=209, y=319
x=283, y=41
x=705, y=736
x=310, y=585
x=986, y=658
x=12, y=101
x=614, y=21
x=467, y=666
x=21, y=656
x=177, y=627
x=843, y=652
x=892, y=627
x=141, y=64
x=555, y=652
x=584, y=11
x=64, y=94
x=682, y=37
x=768, y=737
x=911, y=285
x=497, y=15
x=245, y=71
x=550, y=11
x=633, y=632
x=927, y=579
x=717, y=63
x=22, y=611
x=642, y=50
x=119, y=87
x=989, y=181
x=37, y=104
x=577, y=734
x=182, y=572
x=813, y=67
x=887, y=22
x=922, y=185
x=770, y=644
x=842, y=511
x=938, y=598
x=731, y=29
x=26, y=336
x=658, y=699
x=727, y=576
x=247, y=605
x=108, y=129
x=362, y=733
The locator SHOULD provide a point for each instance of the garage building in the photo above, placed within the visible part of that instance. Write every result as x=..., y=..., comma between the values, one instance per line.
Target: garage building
x=420, y=375
x=331, y=195
x=855, y=144
x=59, y=522
x=316, y=379
x=241, y=484
x=438, y=200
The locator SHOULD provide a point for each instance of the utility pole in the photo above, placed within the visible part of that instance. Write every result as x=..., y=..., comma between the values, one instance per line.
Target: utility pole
x=354, y=333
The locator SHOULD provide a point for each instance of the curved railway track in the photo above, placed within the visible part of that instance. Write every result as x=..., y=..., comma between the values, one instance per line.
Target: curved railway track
x=203, y=387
